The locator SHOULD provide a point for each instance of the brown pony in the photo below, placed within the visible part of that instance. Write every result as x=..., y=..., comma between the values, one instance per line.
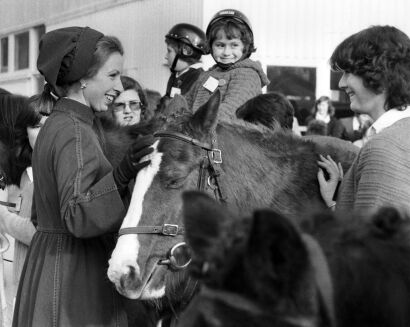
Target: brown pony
x=245, y=166
x=369, y=264
x=254, y=271
x=264, y=271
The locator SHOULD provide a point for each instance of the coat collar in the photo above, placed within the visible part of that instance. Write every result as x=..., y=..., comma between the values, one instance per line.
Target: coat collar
x=80, y=110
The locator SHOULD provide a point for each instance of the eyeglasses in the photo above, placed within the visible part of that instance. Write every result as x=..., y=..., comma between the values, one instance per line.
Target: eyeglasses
x=133, y=105
x=179, y=257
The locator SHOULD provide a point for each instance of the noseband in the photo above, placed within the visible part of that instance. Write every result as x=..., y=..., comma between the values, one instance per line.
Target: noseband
x=209, y=166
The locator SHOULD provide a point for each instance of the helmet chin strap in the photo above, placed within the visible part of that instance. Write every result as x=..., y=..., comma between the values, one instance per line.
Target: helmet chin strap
x=224, y=66
x=174, y=63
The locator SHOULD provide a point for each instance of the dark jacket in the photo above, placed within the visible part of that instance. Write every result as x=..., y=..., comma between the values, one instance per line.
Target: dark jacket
x=334, y=127
x=64, y=280
x=183, y=82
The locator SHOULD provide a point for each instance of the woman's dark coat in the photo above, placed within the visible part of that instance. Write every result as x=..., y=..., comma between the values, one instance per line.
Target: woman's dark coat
x=64, y=280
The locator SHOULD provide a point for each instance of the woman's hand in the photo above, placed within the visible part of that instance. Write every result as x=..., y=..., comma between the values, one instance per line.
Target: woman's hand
x=328, y=186
x=130, y=165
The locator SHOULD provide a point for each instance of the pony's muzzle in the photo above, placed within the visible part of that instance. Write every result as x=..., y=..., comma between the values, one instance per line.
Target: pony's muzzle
x=129, y=282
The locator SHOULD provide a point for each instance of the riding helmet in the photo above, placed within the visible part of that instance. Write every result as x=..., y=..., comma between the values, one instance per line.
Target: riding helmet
x=190, y=35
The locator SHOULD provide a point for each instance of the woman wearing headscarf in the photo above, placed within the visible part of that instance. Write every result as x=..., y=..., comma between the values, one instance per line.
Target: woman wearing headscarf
x=77, y=193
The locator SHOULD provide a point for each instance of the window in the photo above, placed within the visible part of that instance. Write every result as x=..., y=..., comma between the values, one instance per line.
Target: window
x=4, y=54
x=21, y=51
x=298, y=84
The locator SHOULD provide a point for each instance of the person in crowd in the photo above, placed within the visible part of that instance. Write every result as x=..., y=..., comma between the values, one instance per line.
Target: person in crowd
x=271, y=109
x=375, y=63
x=153, y=99
x=365, y=122
x=185, y=46
x=324, y=111
x=15, y=220
x=355, y=126
x=316, y=127
x=130, y=105
x=230, y=40
x=77, y=193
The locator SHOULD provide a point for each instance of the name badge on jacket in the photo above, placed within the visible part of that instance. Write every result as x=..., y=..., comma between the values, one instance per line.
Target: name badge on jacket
x=174, y=91
x=211, y=84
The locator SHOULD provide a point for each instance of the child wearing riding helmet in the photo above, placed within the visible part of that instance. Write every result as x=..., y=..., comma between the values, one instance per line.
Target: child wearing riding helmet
x=185, y=46
x=238, y=78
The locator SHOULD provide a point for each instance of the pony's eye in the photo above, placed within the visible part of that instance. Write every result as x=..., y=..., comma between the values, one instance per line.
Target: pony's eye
x=175, y=183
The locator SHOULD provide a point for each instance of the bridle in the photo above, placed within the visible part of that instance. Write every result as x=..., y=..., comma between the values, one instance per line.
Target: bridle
x=208, y=177
x=209, y=168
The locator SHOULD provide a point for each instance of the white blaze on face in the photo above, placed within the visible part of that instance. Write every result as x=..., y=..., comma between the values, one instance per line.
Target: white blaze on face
x=126, y=251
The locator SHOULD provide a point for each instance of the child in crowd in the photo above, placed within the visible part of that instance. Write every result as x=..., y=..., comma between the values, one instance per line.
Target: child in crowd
x=185, y=46
x=230, y=41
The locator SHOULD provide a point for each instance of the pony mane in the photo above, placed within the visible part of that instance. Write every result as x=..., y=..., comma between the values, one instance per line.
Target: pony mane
x=270, y=154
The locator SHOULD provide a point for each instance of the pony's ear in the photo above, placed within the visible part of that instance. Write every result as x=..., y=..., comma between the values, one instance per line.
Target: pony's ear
x=204, y=220
x=205, y=118
x=387, y=221
x=276, y=250
x=172, y=106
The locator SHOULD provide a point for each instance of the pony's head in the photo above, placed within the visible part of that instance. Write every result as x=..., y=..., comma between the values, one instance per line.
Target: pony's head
x=15, y=150
x=142, y=262
x=256, y=271
x=242, y=164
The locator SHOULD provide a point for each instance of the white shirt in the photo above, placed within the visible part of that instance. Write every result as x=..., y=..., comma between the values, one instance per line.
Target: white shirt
x=195, y=66
x=387, y=119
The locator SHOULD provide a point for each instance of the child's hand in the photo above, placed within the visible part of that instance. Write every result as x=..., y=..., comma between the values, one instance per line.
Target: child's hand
x=328, y=186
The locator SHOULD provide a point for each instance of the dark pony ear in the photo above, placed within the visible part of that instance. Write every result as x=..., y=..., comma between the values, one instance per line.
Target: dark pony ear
x=277, y=253
x=204, y=220
x=172, y=106
x=387, y=221
x=169, y=111
x=205, y=118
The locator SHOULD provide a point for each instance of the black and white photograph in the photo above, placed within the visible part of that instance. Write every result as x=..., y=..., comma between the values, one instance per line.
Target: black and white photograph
x=204, y=163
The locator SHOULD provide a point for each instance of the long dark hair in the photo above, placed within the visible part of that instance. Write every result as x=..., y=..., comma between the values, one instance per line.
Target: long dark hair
x=324, y=98
x=268, y=109
x=15, y=116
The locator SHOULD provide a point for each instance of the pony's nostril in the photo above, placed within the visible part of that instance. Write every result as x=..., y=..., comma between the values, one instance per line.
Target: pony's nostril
x=130, y=280
x=131, y=273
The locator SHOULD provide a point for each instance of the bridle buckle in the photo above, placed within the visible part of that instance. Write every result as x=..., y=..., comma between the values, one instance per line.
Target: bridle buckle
x=216, y=155
x=170, y=229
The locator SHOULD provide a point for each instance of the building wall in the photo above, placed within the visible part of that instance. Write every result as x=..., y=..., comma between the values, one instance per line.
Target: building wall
x=141, y=27
x=22, y=14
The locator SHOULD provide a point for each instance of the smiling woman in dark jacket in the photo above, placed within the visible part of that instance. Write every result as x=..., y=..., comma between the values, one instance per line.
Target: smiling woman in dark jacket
x=77, y=193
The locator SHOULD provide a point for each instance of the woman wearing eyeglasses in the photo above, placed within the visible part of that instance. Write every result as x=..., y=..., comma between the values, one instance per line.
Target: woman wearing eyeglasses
x=129, y=107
